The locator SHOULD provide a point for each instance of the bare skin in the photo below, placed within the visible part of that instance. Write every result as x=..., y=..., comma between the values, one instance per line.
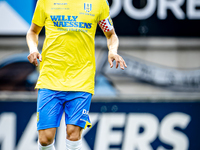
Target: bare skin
x=73, y=132
x=113, y=43
x=47, y=136
x=32, y=41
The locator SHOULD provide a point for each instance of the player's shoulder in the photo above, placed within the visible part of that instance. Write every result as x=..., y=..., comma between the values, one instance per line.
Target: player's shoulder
x=40, y=1
x=105, y=1
x=102, y=2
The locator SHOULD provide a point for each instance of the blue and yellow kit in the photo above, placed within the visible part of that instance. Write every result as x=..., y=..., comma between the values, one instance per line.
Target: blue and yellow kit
x=68, y=51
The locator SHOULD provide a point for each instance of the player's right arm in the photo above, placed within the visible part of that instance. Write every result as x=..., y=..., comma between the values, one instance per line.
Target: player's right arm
x=38, y=22
x=32, y=41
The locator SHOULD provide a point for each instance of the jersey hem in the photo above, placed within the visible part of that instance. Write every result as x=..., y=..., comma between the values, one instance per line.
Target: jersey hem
x=35, y=22
x=65, y=89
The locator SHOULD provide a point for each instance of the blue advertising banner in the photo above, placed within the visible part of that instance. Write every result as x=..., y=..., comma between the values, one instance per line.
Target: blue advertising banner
x=116, y=126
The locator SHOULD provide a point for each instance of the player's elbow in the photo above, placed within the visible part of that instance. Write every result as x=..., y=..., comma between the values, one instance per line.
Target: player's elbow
x=28, y=33
x=110, y=34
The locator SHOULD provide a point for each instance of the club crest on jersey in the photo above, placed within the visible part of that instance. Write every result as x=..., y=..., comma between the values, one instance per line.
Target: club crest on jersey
x=87, y=7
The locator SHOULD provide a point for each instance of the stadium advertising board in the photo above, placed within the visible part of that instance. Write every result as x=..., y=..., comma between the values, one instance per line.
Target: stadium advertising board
x=156, y=17
x=116, y=126
x=132, y=18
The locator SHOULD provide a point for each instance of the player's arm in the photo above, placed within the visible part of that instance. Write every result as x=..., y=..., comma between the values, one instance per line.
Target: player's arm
x=32, y=41
x=113, y=43
x=105, y=23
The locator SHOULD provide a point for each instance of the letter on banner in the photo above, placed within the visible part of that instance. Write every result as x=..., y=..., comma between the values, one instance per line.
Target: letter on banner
x=168, y=135
x=192, y=12
x=94, y=118
x=104, y=135
x=28, y=139
x=174, y=6
x=133, y=139
x=142, y=13
x=61, y=133
x=115, y=8
x=7, y=131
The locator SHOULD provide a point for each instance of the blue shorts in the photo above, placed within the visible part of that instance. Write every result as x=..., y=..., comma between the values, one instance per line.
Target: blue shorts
x=51, y=105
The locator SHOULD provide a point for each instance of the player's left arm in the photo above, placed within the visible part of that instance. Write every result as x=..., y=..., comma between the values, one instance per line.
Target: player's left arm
x=106, y=24
x=113, y=43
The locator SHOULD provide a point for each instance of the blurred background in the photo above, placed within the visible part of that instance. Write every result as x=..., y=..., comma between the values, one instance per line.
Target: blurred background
x=154, y=104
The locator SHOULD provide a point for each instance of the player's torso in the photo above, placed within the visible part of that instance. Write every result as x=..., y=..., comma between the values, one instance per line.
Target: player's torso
x=68, y=51
x=72, y=15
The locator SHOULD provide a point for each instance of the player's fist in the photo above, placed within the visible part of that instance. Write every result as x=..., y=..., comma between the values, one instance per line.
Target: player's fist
x=32, y=57
x=119, y=60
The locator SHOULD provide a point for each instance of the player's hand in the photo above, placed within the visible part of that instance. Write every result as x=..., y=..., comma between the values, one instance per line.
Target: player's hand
x=32, y=57
x=119, y=60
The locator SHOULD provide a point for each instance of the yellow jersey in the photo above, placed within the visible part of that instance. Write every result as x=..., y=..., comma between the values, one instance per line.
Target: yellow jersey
x=68, y=54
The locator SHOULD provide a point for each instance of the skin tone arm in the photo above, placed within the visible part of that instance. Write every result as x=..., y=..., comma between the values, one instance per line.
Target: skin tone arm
x=32, y=41
x=113, y=43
